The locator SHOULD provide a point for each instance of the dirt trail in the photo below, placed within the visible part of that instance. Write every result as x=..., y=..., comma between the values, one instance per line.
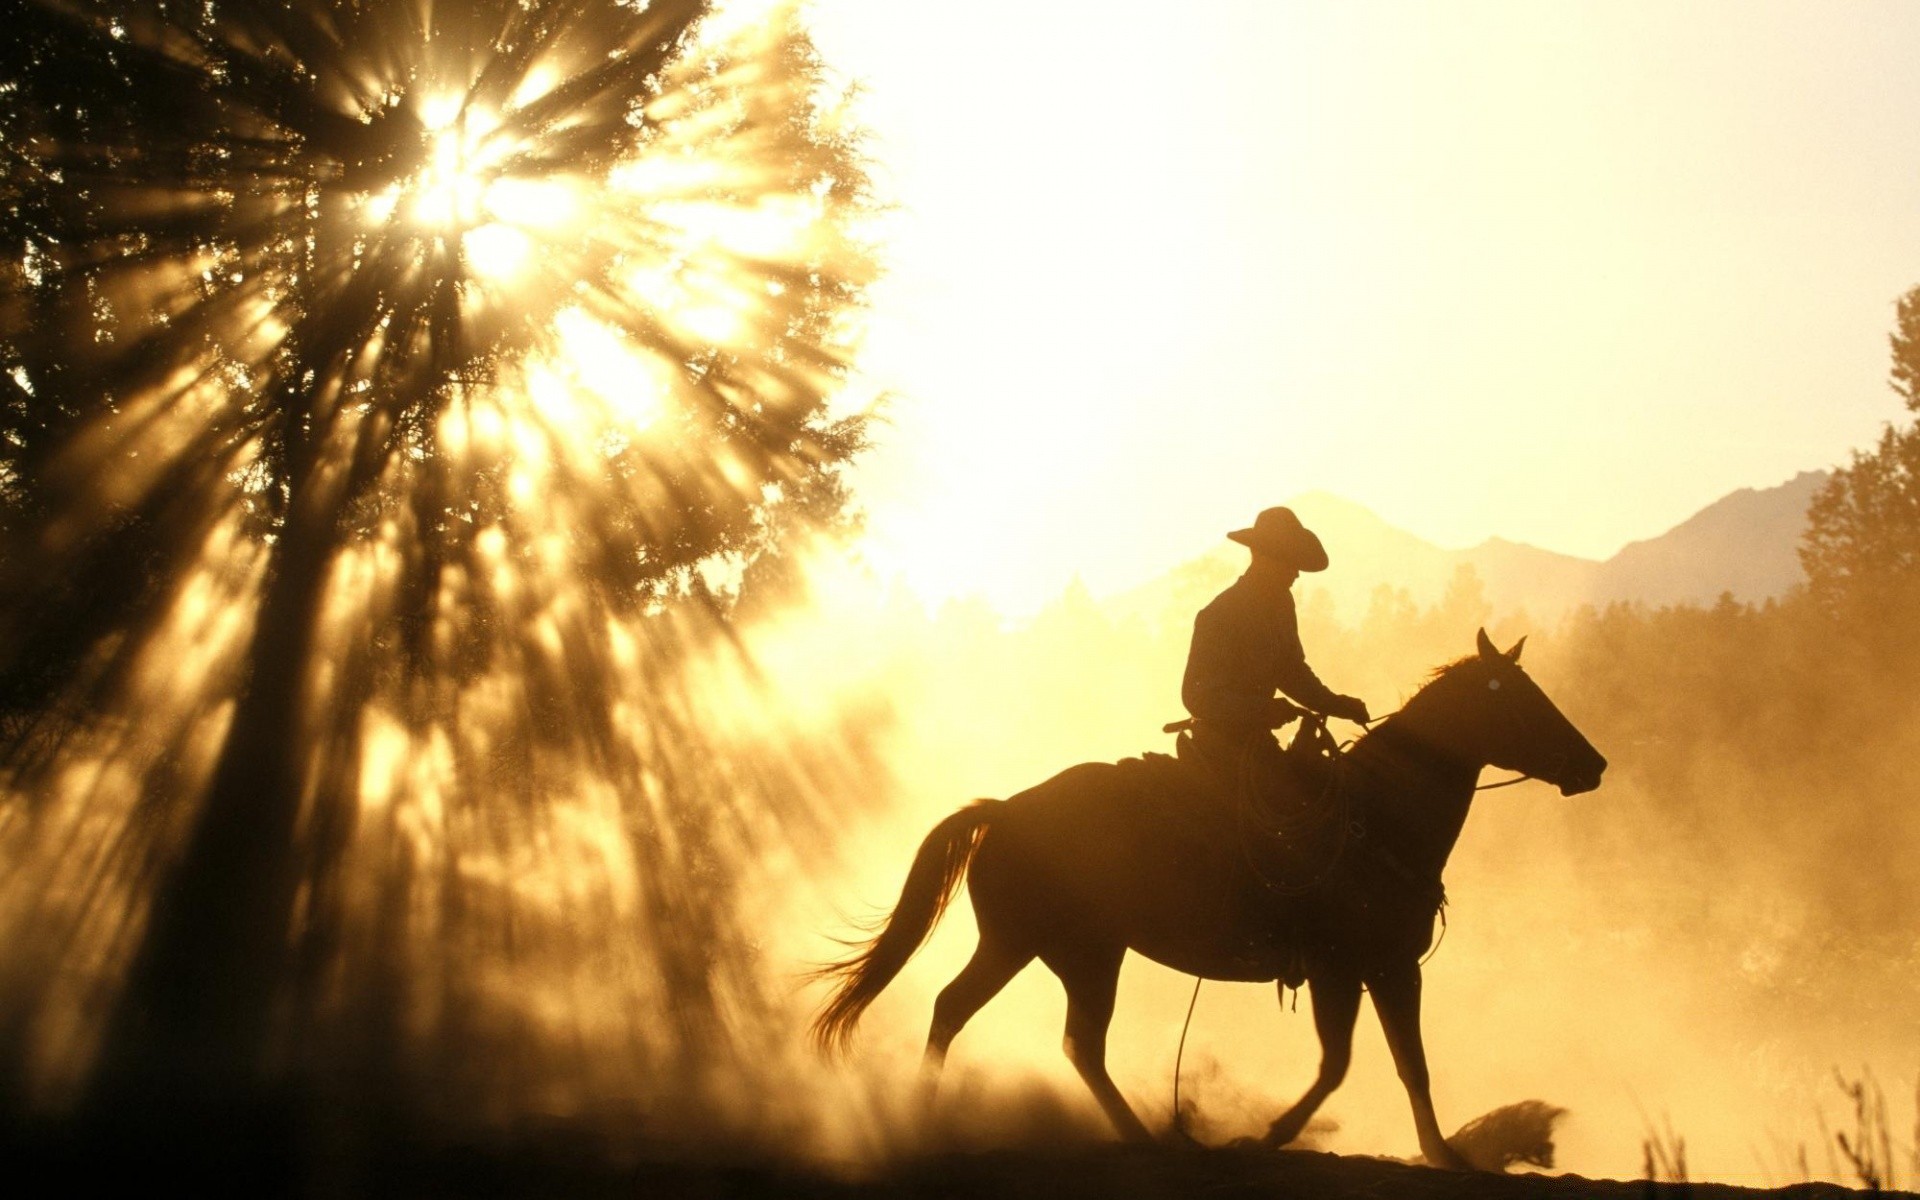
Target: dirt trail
x=561, y=1167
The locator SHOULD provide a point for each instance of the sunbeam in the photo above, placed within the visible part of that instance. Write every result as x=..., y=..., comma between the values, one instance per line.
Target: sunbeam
x=396, y=399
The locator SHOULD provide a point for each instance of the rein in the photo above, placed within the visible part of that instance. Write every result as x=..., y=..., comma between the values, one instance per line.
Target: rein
x=1179, y=1117
x=1488, y=787
x=1370, y=722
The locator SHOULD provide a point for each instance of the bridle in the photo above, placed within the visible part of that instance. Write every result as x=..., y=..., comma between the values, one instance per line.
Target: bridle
x=1179, y=1117
x=1371, y=722
x=1333, y=785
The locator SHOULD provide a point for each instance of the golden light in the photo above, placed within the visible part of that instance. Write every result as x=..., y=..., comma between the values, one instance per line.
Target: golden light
x=537, y=204
x=449, y=191
x=464, y=191
x=555, y=326
x=447, y=195
x=628, y=382
x=497, y=251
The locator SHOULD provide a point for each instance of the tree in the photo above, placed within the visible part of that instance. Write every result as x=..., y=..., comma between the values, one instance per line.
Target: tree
x=441, y=344
x=1861, y=548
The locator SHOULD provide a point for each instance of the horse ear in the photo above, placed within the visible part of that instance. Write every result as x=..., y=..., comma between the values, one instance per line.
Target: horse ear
x=1486, y=646
x=1513, y=655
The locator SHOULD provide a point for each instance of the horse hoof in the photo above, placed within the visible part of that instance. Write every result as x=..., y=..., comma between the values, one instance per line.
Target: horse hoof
x=1446, y=1159
x=1176, y=1137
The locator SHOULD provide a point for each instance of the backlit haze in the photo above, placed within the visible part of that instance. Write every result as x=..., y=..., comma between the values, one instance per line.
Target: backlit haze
x=569, y=777
x=1559, y=273
x=1563, y=273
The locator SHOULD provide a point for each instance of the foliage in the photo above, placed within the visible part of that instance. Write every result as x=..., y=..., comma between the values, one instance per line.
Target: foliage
x=211, y=300
x=1862, y=547
x=394, y=399
x=1861, y=550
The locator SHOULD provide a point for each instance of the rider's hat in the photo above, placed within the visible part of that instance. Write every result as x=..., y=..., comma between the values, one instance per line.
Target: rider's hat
x=1277, y=533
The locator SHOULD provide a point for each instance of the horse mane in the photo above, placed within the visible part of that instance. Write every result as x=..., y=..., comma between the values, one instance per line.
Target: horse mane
x=1434, y=675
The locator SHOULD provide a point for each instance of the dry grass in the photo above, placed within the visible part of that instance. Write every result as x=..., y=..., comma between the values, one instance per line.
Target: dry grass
x=1663, y=1153
x=1866, y=1152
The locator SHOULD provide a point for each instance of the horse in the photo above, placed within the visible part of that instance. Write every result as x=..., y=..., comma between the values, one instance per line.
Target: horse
x=1088, y=865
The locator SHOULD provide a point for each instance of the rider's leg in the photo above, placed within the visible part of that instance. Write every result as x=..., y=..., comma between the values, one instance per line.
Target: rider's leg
x=1091, y=977
x=991, y=966
x=1396, y=998
x=1336, y=1006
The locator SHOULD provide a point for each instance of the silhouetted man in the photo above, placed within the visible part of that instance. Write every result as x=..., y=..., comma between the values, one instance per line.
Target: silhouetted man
x=1246, y=647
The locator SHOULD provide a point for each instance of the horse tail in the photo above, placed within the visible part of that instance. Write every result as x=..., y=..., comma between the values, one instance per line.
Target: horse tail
x=938, y=867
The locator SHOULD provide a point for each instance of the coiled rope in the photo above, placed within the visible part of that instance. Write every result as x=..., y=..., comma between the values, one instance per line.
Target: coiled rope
x=1246, y=770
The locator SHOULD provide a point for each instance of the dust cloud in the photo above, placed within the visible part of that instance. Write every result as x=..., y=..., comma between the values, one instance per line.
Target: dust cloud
x=1699, y=946
x=1705, y=950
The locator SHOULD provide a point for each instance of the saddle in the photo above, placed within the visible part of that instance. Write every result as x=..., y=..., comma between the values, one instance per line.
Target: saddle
x=1263, y=820
x=1283, y=806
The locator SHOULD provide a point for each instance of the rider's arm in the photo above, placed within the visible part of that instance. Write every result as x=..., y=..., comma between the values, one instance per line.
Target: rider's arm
x=1297, y=679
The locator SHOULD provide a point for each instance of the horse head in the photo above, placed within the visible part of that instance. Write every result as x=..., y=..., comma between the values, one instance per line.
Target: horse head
x=1501, y=717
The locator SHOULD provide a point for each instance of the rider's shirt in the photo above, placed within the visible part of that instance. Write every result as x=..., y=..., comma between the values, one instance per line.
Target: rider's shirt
x=1246, y=646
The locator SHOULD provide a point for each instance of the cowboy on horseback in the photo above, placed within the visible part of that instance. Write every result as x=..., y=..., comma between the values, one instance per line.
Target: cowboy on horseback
x=1246, y=646
x=1085, y=868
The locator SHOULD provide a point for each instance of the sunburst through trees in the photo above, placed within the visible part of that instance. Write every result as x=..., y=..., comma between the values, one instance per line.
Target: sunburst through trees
x=392, y=393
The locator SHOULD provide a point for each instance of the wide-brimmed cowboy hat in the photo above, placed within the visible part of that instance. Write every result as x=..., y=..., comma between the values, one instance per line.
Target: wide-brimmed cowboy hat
x=1279, y=534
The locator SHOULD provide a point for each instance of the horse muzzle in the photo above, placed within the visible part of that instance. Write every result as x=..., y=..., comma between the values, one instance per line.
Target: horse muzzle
x=1583, y=777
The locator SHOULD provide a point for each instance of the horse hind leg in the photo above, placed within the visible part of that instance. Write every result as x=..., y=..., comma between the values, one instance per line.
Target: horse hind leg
x=993, y=964
x=1091, y=979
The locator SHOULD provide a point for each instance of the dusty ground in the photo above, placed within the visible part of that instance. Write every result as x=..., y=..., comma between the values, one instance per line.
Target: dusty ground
x=558, y=1167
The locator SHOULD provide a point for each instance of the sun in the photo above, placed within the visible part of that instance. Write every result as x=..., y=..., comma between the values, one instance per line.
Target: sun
x=450, y=192
x=445, y=366
x=464, y=195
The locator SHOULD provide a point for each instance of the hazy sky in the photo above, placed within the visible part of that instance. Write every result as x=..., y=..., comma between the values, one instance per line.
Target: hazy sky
x=1564, y=272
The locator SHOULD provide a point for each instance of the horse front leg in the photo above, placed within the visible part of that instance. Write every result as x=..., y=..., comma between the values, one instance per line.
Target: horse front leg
x=1396, y=998
x=1336, y=1006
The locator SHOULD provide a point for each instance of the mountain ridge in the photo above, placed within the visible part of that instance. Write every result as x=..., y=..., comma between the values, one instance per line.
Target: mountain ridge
x=1744, y=544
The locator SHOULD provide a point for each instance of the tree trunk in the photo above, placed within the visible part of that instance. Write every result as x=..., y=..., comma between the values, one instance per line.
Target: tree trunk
x=188, y=1040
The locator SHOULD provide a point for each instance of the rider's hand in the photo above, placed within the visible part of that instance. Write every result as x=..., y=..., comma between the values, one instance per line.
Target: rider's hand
x=1350, y=708
x=1281, y=711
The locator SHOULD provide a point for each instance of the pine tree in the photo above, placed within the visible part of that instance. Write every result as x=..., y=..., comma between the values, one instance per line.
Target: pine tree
x=467, y=303
x=1861, y=548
